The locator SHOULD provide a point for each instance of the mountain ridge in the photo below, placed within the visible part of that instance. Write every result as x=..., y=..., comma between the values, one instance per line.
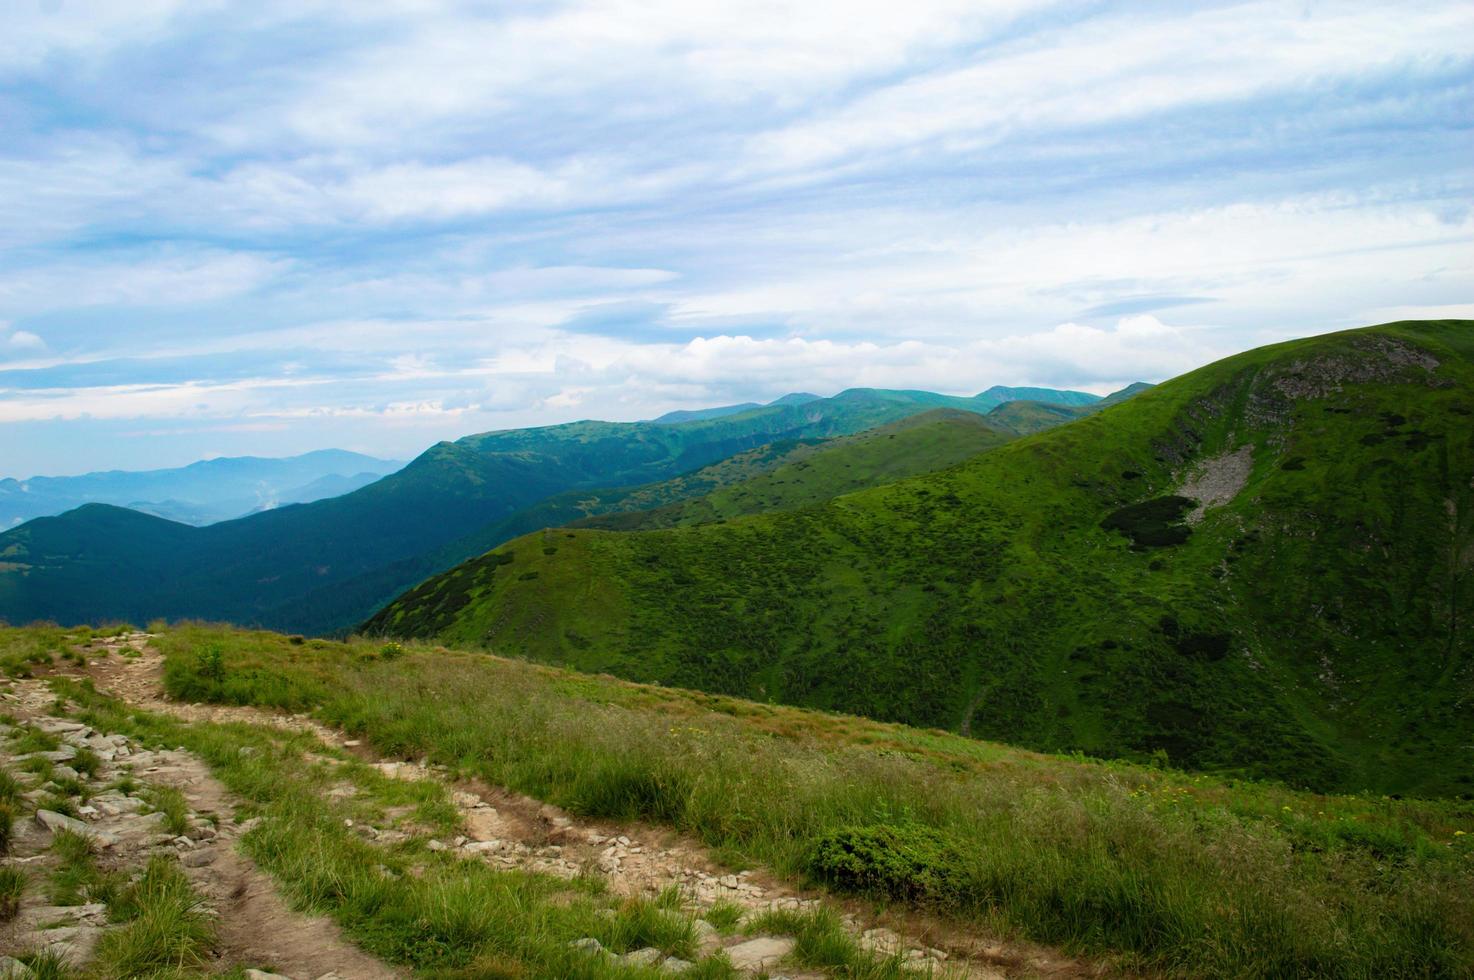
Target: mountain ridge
x=1062, y=592
x=325, y=565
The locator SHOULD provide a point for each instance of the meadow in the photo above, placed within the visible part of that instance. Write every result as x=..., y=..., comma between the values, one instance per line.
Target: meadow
x=1151, y=868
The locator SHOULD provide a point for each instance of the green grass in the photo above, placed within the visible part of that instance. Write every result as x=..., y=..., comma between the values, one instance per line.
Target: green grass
x=1160, y=869
x=823, y=944
x=77, y=878
x=164, y=931
x=13, y=882
x=171, y=803
x=1051, y=593
x=433, y=913
x=48, y=965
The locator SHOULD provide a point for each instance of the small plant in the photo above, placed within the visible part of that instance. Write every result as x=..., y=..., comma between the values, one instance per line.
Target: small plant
x=87, y=762
x=34, y=740
x=210, y=662
x=172, y=804
x=724, y=916
x=72, y=787
x=391, y=651
x=10, y=788
x=47, y=965
x=7, y=825
x=12, y=887
x=57, y=804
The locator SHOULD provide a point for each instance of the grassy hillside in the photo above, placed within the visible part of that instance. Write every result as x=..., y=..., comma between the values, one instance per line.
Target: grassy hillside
x=326, y=565
x=1067, y=592
x=1154, y=870
x=808, y=473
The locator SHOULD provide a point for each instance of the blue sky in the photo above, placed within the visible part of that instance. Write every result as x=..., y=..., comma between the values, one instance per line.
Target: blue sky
x=277, y=226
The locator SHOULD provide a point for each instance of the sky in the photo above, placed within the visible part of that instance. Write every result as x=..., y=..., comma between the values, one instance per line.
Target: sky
x=269, y=227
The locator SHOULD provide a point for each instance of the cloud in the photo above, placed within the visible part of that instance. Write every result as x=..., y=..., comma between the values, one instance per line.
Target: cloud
x=428, y=216
x=17, y=342
x=24, y=340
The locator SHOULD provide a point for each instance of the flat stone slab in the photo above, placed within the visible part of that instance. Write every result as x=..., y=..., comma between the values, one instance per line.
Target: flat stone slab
x=52, y=821
x=760, y=953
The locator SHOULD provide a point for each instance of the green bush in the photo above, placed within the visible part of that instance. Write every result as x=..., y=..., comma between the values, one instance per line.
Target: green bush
x=907, y=861
x=211, y=663
x=1151, y=523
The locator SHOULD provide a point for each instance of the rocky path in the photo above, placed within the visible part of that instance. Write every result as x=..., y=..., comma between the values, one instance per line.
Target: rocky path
x=512, y=831
x=254, y=925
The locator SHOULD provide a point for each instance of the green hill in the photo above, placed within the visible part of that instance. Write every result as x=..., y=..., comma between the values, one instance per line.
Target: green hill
x=323, y=566
x=1262, y=566
x=801, y=474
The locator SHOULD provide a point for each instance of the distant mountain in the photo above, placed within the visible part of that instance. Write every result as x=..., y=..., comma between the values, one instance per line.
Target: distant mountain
x=326, y=565
x=696, y=415
x=1264, y=566
x=201, y=493
x=1024, y=416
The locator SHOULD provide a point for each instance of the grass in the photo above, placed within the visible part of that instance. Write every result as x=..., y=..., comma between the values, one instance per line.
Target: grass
x=724, y=916
x=48, y=965
x=10, y=806
x=1156, y=868
x=169, y=801
x=429, y=912
x=164, y=931
x=13, y=882
x=77, y=879
x=823, y=944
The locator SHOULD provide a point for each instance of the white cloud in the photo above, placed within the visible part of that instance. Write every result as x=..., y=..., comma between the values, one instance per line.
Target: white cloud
x=24, y=340
x=146, y=278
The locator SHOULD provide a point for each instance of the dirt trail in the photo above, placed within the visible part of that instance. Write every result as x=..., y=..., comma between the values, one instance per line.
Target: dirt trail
x=514, y=831
x=254, y=925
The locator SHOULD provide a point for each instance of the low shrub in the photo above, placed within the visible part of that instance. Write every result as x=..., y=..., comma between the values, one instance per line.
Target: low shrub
x=906, y=861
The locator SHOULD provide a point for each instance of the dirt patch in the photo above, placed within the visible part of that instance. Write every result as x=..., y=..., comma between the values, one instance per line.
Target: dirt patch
x=1218, y=480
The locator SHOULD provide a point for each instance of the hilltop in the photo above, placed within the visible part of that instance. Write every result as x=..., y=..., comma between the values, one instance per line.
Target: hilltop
x=1258, y=567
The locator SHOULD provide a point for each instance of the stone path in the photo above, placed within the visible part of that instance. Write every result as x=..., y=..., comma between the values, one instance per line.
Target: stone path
x=254, y=925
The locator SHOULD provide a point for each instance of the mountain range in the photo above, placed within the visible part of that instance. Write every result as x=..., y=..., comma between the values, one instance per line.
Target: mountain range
x=1262, y=567
x=200, y=493
x=326, y=565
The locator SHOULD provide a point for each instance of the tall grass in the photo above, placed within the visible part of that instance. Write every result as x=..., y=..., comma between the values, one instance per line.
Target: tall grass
x=435, y=913
x=1166, y=871
x=13, y=883
x=165, y=932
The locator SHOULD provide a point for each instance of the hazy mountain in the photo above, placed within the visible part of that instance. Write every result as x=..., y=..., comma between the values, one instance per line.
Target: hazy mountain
x=200, y=493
